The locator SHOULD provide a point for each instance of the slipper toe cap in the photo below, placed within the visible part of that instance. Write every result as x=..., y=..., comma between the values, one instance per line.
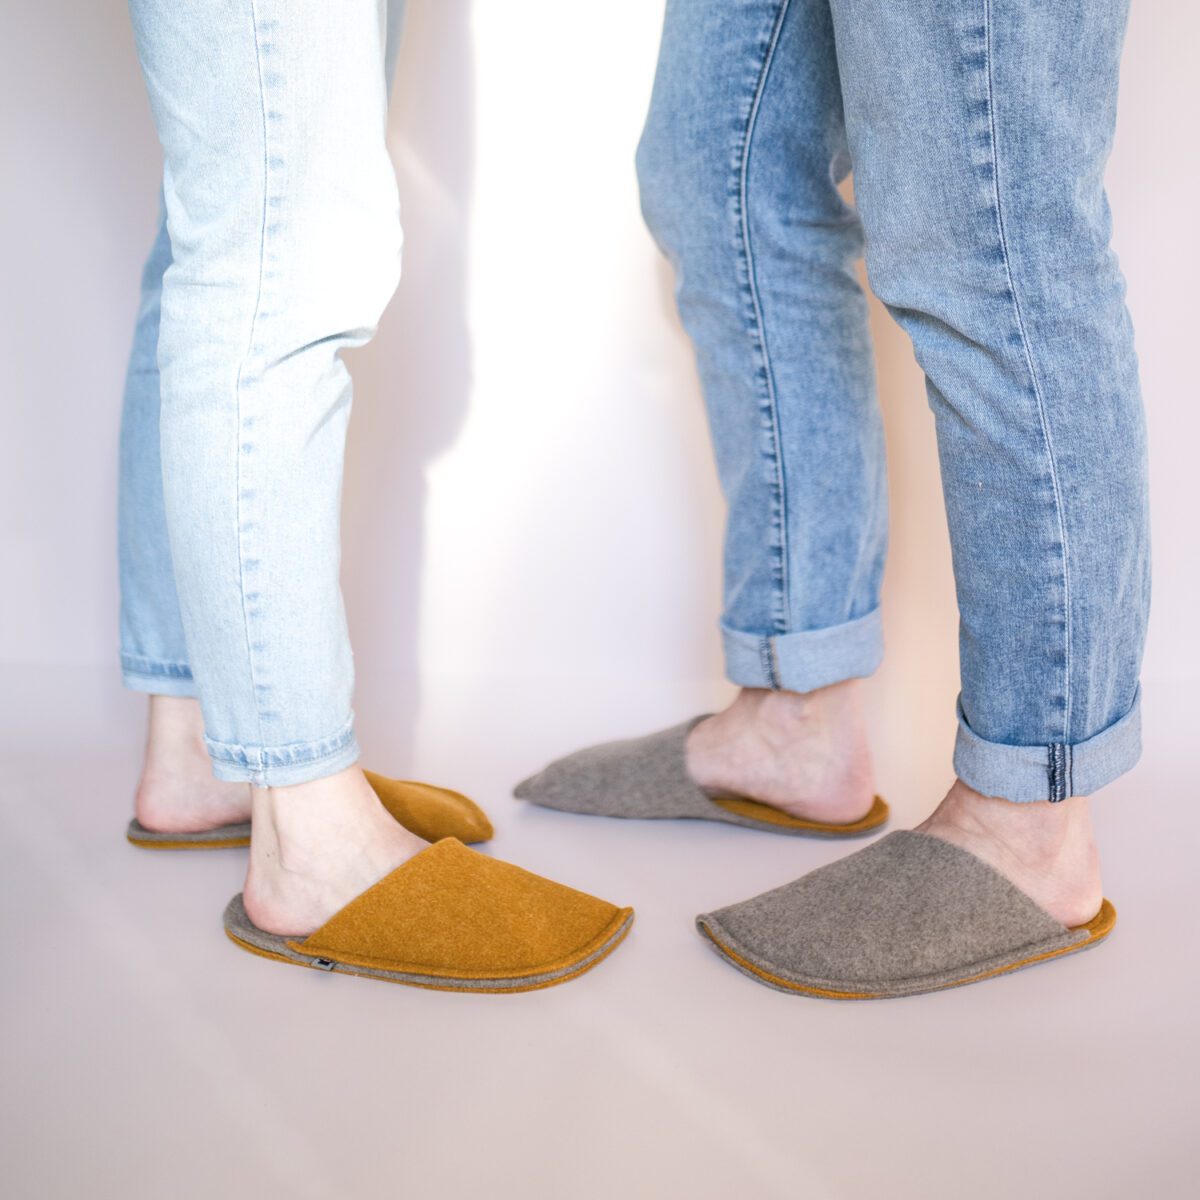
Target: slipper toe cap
x=635, y=777
x=582, y=782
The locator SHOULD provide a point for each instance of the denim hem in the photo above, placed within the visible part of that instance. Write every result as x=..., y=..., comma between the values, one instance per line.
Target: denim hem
x=1055, y=771
x=805, y=661
x=157, y=677
x=283, y=766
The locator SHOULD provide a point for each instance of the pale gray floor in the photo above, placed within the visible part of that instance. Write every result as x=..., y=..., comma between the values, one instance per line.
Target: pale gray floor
x=144, y=1056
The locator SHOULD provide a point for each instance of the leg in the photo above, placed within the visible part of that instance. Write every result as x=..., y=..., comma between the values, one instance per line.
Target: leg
x=282, y=216
x=739, y=165
x=283, y=222
x=154, y=656
x=176, y=790
x=979, y=132
x=281, y=202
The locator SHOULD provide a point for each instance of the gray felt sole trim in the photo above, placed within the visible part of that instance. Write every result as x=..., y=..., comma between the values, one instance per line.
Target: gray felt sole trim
x=222, y=838
x=242, y=931
x=782, y=980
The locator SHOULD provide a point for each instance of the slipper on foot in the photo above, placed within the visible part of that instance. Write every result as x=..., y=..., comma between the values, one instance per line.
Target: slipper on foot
x=909, y=914
x=647, y=778
x=432, y=813
x=453, y=920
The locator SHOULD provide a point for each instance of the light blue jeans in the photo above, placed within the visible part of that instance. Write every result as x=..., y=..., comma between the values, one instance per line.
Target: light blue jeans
x=280, y=248
x=978, y=132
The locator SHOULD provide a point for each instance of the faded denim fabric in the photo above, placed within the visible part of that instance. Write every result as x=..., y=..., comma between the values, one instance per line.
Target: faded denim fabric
x=978, y=132
x=280, y=249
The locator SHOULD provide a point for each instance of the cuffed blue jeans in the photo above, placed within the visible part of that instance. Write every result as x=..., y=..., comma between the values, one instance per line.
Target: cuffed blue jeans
x=279, y=249
x=978, y=132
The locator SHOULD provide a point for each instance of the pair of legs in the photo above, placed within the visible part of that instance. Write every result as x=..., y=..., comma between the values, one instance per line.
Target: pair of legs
x=978, y=144
x=279, y=248
x=978, y=132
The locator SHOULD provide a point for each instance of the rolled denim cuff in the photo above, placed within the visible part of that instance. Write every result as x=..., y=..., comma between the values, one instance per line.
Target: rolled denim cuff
x=1053, y=772
x=283, y=766
x=155, y=677
x=805, y=661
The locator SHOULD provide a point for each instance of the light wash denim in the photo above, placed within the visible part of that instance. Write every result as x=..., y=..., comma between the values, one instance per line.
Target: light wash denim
x=280, y=249
x=978, y=131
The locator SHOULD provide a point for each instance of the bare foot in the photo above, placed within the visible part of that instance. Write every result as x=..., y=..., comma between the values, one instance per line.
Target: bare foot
x=803, y=753
x=177, y=792
x=315, y=847
x=1047, y=850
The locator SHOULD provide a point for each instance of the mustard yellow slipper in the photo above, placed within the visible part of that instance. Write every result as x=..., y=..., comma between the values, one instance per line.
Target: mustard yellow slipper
x=646, y=778
x=453, y=920
x=430, y=812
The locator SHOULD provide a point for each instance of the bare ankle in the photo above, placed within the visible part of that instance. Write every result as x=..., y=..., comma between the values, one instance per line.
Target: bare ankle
x=315, y=846
x=1047, y=850
x=1040, y=828
x=300, y=825
x=805, y=753
x=174, y=729
x=177, y=791
x=778, y=710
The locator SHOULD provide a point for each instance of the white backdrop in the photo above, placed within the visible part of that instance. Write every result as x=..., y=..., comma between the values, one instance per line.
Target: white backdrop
x=531, y=521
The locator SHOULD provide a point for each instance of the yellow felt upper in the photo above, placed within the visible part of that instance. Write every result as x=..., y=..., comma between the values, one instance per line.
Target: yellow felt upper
x=450, y=911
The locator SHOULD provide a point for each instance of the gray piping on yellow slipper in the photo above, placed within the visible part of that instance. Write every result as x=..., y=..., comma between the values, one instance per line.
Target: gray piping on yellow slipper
x=646, y=778
x=224, y=837
x=907, y=915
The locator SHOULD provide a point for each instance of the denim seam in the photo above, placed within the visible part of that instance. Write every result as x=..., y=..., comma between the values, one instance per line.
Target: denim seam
x=137, y=664
x=1059, y=787
x=262, y=254
x=1033, y=376
x=766, y=654
x=263, y=758
x=779, y=618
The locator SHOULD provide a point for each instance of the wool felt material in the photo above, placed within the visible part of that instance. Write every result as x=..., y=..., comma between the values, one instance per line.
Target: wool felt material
x=909, y=914
x=647, y=778
x=430, y=812
x=454, y=920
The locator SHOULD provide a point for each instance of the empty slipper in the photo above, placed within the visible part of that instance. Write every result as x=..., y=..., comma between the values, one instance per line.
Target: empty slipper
x=430, y=812
x=909, y=914
x=454, y=920
x=647, y=777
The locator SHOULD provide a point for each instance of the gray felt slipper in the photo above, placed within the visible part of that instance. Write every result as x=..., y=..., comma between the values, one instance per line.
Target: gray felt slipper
x=647, y=777
x=909, y=914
